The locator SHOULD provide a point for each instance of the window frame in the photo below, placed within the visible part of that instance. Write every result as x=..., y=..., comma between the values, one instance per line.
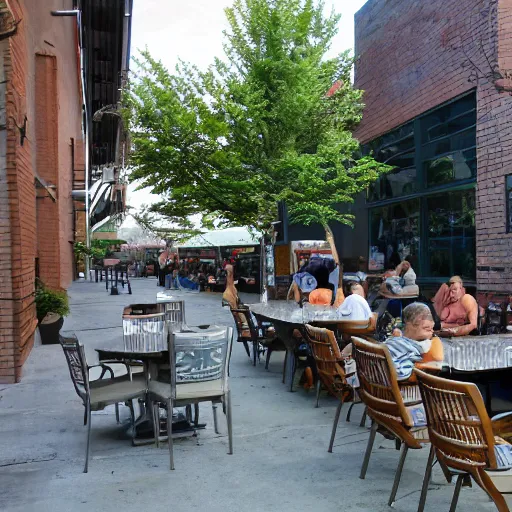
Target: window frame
x=423, y=191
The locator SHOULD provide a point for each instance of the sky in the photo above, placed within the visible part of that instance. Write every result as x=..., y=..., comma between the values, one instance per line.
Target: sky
x=192, y=31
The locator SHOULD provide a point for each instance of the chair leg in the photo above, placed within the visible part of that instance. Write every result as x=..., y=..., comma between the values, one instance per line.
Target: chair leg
x=335, y=425
x=363, y=418
x=188, y=413
x=229, y=419
x=350, y=411
x=456, y=493
x=117, y=413
x=254, y=352
x=318, y=387
x=398, y=474
x=87, y=447
x=426, y=479
x=246, y=346
x=284, y=365
x=368, y=452
x=484, y=480
x=132, y=418
x=267, y=360
x=156, y=423
x=169, y=432
x=294, y=369
x=215, y=420
x=85, y=415
x=196, y=414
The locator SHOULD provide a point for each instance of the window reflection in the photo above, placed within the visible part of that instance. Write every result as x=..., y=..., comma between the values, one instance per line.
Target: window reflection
x=451, y=234
x=394, y=235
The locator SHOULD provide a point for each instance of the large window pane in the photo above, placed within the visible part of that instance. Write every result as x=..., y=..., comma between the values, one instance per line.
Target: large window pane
x=459, y=165
x=394, y=184
x=394, y=234
x=451, y=234
x=449, y=119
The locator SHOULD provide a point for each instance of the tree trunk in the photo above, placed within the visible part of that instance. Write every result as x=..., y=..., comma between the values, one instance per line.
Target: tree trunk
x=340, y=296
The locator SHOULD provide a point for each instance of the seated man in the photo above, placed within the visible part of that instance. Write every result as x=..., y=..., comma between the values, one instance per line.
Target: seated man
x=415, y=345
x=457, y=309
x=354, y=307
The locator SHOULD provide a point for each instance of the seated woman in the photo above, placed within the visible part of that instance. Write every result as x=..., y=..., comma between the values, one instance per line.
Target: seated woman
x=415, y=346
x=457, y=309
x=354, y=307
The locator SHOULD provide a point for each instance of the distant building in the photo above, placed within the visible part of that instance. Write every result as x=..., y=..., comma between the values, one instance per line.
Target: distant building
x=437, y=78
x=43, y=99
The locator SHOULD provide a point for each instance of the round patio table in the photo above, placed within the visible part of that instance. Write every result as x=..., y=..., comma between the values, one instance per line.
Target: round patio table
x=287, y=316
x=485, y=361
x=144, y=431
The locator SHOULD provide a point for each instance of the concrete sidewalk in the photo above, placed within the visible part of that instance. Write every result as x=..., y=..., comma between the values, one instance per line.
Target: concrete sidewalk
x=280, y=460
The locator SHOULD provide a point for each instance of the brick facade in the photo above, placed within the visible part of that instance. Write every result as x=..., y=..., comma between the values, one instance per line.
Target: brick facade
x=413, y=56
x=39, y=67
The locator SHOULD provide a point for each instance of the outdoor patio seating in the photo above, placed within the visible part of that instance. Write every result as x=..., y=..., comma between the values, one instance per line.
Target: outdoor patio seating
x=329, y=367
x=250, y=331
x=393, y=416
x=463, y=437
x=98, y=394
x=199, y=365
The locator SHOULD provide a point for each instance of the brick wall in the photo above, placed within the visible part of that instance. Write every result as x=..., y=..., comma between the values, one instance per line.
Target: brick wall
x=47, y=160
x=43, y=89
x=413, y=56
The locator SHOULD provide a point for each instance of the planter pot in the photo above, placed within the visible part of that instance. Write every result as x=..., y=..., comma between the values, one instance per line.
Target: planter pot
x=49, y=331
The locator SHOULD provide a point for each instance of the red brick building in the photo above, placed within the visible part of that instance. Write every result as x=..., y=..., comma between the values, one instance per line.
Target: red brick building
x=42, y=147
x=437, y=78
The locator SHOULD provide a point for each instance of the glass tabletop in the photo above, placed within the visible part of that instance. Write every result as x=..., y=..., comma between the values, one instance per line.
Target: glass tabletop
x=478, y=353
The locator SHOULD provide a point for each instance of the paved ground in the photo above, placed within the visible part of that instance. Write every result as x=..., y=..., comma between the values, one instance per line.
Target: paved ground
x=280, y=440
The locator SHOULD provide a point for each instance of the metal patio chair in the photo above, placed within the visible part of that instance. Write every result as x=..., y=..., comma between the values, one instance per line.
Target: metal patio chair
x=199, y=365
x=98, y=394
x=393, y=416
x=329, y=366
x=463, y=437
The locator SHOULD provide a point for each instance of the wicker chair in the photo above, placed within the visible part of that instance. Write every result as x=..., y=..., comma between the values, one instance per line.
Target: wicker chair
x=199, y=365
x=383, y=395
x=249, y=330
x=97, y=394
x=329, y=365
x=462, y=436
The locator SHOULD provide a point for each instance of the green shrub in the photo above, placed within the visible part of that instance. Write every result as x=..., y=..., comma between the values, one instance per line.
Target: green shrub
x=50, y=301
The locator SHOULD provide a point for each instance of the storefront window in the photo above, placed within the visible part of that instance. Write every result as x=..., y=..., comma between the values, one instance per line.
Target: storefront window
x=394, y=235
x=436, y=228
x=451, y=234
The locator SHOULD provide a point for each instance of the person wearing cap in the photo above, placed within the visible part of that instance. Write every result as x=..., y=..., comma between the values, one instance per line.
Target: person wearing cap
x=457, y=309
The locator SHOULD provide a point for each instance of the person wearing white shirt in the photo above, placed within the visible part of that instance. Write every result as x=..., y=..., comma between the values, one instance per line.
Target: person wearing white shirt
x=354, y=307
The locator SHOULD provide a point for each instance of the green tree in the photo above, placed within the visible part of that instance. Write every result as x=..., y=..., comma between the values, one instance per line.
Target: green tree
x=272, y=121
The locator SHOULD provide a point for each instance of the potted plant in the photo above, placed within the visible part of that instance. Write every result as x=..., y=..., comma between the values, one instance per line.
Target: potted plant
x=51, y=306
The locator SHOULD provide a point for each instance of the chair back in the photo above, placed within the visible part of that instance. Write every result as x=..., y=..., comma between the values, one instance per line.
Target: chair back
x=145, y=333
x=175, y=312
x=458, y=424
x=200, y=356
x=358, y=327
x=246, y=325
x=328, y=361
x=77, y=364
x=379, y=388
